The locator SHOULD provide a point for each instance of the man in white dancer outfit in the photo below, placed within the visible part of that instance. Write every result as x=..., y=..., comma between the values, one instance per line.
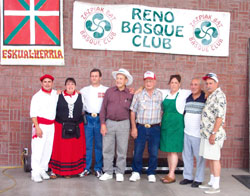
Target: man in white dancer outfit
x=43, y=112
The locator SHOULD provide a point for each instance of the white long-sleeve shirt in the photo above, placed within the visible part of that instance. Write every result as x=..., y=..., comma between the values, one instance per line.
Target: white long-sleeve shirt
x=181, y=99
x=44, y=105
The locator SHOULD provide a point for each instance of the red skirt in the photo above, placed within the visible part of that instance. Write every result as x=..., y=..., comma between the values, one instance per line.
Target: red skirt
x=68, y=155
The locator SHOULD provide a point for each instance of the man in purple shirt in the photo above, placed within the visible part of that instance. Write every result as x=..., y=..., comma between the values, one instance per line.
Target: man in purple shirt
x=115, y=125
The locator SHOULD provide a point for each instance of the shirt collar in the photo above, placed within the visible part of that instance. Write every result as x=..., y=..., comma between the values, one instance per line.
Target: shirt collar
x=70, y=95
x=46, y=91
x=126, y=89
x=145, y=92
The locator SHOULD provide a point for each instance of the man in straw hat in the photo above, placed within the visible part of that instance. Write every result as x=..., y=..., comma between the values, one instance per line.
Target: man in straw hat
x=115, y=125
x=42, y=112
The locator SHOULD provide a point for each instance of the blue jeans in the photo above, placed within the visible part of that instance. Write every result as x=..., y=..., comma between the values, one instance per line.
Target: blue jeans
x=92, y=132
x=152, y=136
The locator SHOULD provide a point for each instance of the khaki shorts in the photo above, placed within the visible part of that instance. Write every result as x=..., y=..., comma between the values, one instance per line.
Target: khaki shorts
x=211, y=152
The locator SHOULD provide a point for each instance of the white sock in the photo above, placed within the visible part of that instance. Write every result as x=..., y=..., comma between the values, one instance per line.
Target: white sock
x=216, y=183
x=211, y=180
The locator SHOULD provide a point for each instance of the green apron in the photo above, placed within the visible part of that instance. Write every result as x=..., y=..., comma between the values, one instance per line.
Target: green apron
x=172, y=127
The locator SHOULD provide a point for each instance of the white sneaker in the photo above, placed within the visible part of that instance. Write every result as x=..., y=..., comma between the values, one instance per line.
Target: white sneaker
x=151, y=178
x=205, y=186
x=45, y=176
x=37, y=178
x=134, y=177
x=105, y=177
x=119, y=178
x=212, y=191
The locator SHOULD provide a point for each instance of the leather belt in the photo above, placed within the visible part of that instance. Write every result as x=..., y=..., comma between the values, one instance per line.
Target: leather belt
x=149, y=125
x=92, y=114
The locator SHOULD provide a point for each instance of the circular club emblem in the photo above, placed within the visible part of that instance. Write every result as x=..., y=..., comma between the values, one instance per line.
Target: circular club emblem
x=206, y=33
x=98, y=26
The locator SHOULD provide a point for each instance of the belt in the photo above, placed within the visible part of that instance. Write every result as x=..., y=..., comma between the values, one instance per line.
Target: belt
x=149, y=125
x=92, y=114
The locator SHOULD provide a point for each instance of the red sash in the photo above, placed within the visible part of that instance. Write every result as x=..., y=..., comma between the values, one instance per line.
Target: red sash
x=43, y=121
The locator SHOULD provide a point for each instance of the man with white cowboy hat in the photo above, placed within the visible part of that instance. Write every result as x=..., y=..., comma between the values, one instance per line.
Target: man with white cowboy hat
x=115, y=125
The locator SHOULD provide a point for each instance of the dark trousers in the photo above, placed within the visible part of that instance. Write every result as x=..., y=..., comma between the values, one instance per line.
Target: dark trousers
x=152, y=136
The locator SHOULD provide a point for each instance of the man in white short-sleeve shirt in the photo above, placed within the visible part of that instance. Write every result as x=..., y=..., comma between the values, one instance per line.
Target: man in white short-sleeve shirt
x=92, y=98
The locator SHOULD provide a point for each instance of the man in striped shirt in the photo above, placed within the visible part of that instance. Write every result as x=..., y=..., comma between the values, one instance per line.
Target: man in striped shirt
x=192, y=118
x=145, y=122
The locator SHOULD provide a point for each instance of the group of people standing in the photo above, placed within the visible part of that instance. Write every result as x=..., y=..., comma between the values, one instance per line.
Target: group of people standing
x=173, y=120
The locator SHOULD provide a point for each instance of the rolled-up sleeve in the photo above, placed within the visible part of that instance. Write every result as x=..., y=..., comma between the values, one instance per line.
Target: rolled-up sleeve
x=34, y=107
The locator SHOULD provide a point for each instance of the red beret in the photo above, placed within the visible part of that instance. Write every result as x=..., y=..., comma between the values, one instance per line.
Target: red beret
x=46, y=76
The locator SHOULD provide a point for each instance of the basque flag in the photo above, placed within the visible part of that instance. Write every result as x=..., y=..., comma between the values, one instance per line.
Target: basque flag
x=31, y=22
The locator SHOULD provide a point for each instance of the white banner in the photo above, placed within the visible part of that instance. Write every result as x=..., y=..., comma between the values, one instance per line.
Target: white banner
x=32, y=32
x=150, y=29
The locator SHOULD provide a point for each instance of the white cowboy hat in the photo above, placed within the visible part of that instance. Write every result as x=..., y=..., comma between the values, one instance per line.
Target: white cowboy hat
x=125, y=73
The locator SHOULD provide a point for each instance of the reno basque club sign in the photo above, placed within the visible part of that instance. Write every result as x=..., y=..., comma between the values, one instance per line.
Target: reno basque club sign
x=150, y=29
x=32, y=32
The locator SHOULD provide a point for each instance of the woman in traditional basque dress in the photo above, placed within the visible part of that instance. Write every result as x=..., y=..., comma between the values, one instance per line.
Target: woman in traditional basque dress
x=69, y=148
x=172, y=124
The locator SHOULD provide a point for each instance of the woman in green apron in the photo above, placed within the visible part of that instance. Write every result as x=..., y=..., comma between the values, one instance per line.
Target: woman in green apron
x=172, y=124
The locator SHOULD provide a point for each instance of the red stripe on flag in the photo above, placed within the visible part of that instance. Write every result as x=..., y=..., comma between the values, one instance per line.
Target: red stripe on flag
x=52, y=23
x=49, y=5
x=14, y=5
x=22, y=36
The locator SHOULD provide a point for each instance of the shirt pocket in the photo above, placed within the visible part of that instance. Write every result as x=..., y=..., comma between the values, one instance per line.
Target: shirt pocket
x=127, y=103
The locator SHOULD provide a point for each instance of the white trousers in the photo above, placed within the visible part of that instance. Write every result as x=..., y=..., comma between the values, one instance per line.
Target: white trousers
x=42, y=149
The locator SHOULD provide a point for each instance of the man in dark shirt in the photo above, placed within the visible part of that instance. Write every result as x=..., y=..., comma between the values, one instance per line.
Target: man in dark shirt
x=115, y=125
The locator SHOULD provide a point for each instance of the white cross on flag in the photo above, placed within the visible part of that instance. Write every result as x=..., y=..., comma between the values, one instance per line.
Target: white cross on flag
x=32, y=32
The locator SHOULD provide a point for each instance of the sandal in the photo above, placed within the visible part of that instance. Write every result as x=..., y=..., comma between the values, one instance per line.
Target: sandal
x=53, y=175
x=168, y=180
x=162, y=179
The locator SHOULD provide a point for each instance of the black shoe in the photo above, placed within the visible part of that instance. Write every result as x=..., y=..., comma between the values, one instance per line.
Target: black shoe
x=186, y=181
x=195, y=184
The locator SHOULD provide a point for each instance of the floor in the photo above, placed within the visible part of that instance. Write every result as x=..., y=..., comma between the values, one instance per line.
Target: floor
x=91, y=186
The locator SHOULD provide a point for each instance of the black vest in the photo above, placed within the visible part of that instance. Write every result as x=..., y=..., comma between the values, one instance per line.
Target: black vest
x=62, y=110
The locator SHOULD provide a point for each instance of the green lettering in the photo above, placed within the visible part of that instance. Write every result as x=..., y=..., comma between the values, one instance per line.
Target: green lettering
x=153, y=42
x=144, y=42
x=125, y=25
x=169, y=17
x=147, y=29
x=136, y=12
x=166, y=30
x=135, y=44
x=145, y=14
x=158, y=29
x=166, y=43
x=159, y=16
x=179, y=31
x=137, y=26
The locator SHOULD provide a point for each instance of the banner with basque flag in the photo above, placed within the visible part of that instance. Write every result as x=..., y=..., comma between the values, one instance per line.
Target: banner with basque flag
x=32, y=32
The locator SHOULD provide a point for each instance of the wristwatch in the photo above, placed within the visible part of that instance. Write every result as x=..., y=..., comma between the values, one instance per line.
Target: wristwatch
x=213, y=133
